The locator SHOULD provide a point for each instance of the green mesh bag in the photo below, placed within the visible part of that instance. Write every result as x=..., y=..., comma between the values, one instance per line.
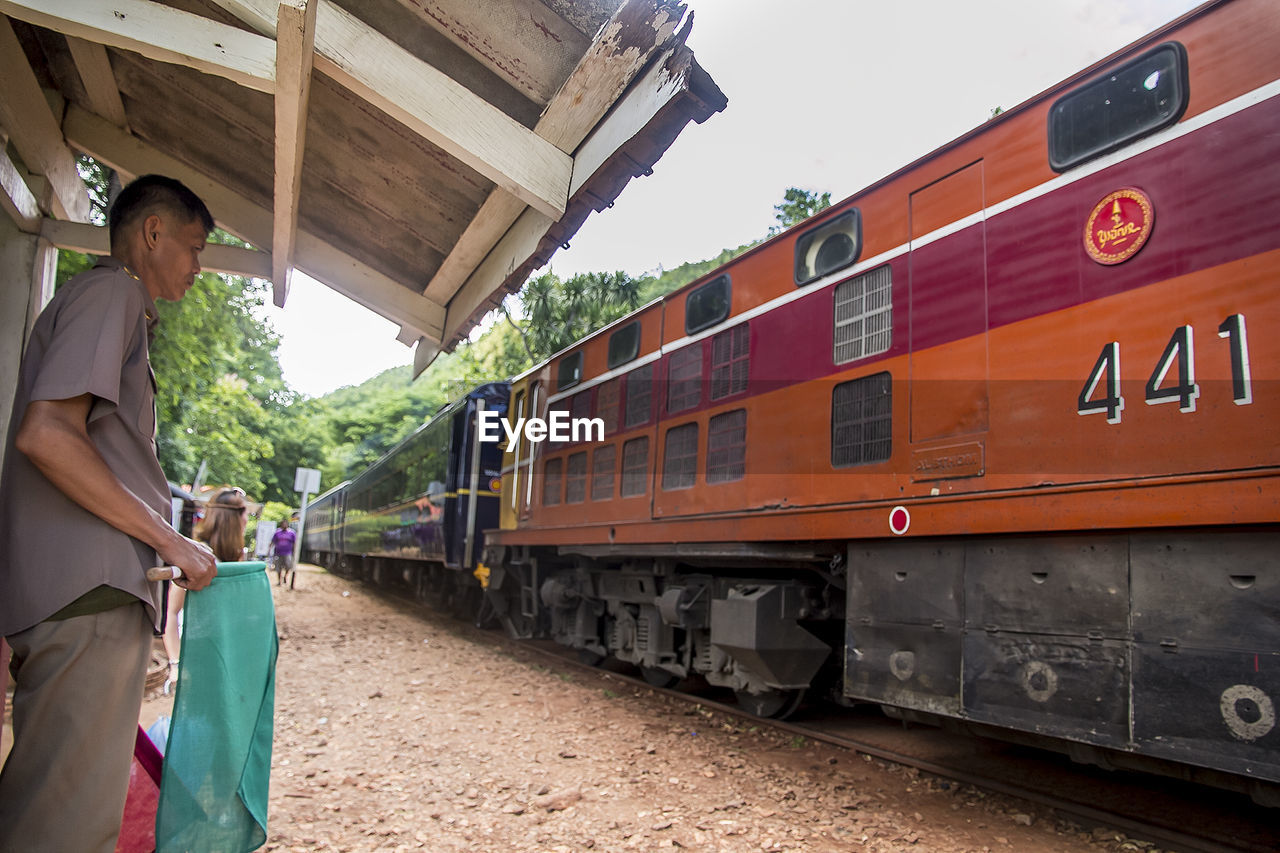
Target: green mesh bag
x=217, y=763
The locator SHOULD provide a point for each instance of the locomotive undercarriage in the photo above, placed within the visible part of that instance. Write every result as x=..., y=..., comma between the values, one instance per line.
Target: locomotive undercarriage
x=762, y=630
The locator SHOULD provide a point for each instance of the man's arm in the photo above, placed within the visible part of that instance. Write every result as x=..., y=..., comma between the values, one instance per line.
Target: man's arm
x=54, y=435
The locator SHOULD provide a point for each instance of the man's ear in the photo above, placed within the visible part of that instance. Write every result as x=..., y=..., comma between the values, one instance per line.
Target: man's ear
x=151, y=228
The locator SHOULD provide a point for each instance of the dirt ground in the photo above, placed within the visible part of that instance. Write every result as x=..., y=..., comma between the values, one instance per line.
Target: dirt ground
x=395, y=732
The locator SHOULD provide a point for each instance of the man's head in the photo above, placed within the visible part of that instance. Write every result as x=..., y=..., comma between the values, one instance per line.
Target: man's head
x=158, y=228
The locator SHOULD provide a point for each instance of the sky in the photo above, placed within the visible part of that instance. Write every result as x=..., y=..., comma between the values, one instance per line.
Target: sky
x=826, y=95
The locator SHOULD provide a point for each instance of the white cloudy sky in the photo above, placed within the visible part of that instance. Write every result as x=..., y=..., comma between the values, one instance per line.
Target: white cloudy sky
x=828, y=95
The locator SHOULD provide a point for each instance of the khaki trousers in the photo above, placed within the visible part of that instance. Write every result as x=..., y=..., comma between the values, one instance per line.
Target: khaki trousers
x=77, y=696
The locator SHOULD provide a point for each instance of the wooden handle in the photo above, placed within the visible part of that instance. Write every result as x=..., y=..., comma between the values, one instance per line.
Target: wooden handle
x=164, y=573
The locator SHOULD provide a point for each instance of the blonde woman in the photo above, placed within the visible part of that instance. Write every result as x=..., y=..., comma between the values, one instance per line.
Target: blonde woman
x=223, y=530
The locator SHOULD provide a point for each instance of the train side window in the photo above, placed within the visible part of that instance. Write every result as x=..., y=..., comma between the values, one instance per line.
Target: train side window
x=607, y=404
x=635, y=467
x=624, y=344
x=1125, y=104
x=602, y=472
x=680, y=458
x=863, y=315
x=727, y=447
x=707, y=305
x=684, y=379
x=862, y=421
x=639, y=402
x=833, y=245
x=575, y=481
x=552, y=475
x=730, y=361
x=570, y=371
x=513, y=416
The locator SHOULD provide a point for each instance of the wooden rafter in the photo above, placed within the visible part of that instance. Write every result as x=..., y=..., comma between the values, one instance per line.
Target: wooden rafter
x=33, y=129
x=158, y=32
x=430, y=103
x=664, y=81
x=252, y=222
x=16, y=197
x=295, y=44
x=595, y=84
x=529, y=46
x=94, y=240
x=98, y=80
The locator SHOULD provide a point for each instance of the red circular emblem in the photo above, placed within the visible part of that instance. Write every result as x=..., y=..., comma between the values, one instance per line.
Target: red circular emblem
x=1119, y=226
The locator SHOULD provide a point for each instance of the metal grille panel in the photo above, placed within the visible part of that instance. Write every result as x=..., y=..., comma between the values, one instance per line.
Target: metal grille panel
x=602, y=465
x=727, y=447
x=635, y=466
x=730, y=361
x=680, y=461
x=863, y=315
x=862, y=421
x=575, y=484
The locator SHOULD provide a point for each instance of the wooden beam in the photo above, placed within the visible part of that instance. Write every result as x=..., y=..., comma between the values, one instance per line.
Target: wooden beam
x=98, y=79
x=424, y=353
x=515, y=247
x=521, y=41
x=623, y=47
x=483, y=232
x=295, y=45
x=33, y=130
x=158, y=32
x=253, y=223
x=621, y=50
x=429, y=103
x=95, y=240
x=17, y=198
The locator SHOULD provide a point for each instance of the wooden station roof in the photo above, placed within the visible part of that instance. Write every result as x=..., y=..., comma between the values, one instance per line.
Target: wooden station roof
x=421, y=157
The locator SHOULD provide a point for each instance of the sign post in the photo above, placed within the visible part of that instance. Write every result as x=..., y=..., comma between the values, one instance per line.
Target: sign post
x=307, y=481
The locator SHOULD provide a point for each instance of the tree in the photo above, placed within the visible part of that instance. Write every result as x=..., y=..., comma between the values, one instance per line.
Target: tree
x=798, y=205
x=558, y=312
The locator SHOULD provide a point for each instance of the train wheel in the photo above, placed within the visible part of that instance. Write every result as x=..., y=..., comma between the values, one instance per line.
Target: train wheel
x=772, y=704
x=659, y=677
x=587, y=657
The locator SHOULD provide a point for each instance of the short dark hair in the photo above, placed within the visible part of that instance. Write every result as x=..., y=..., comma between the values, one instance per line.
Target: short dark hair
x=155, y=194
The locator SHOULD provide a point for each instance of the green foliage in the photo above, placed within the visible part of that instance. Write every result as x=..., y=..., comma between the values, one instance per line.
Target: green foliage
x=654, y=287
x=69, y=264
x=221, y=396
x=798, y=205
x=271, y=514
x=561, y=311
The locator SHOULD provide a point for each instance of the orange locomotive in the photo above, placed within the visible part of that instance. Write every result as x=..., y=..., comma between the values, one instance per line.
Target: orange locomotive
x=993, y=439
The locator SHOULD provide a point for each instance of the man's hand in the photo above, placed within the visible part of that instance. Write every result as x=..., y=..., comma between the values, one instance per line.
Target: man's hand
x=194, y=558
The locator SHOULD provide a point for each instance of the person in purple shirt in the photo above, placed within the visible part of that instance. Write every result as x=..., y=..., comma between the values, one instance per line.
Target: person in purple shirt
x=282, y=549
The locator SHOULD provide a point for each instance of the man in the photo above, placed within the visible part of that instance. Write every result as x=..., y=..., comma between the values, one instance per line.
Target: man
x=83, y=515
x=282, y=547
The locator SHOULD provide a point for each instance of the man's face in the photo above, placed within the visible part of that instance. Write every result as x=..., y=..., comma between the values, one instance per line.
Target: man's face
x=176, y=256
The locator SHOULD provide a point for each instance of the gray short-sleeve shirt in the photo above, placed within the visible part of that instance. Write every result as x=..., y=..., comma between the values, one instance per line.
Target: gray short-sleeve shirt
x=91, y=338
